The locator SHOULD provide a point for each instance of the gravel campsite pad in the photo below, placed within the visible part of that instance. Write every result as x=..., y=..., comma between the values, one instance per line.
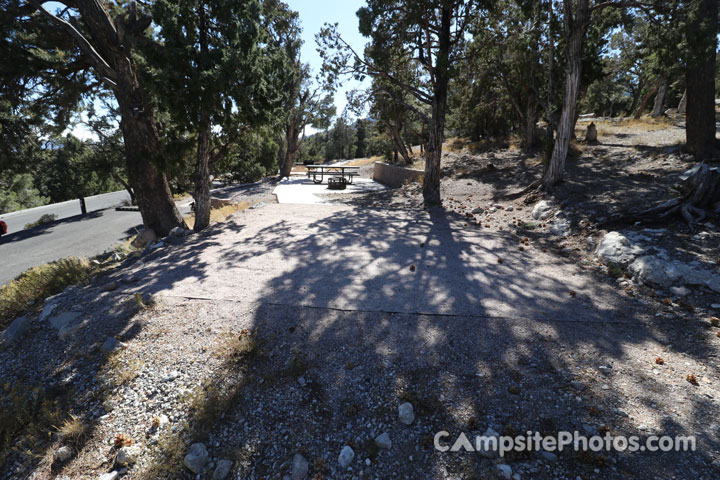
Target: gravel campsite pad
x=289, y=341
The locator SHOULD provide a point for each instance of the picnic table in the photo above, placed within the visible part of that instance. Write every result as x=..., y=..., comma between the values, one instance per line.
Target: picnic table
x=317, y=172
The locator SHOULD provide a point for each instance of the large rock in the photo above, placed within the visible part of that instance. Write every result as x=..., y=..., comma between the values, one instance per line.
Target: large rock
x=145, y=237
x=219, y=202
x=61, y=321
x=654, y=270
x=617, y=248
x=543, y=209
x=47, y=311
x=197, y=458
x=17, y=330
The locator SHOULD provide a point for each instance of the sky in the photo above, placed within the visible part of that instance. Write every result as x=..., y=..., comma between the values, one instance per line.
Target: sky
x=313, y=15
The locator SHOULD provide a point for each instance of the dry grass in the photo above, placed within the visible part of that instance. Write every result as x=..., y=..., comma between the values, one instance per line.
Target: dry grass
x=645, y=124
x=362, y=162
x=219, y=214
x=72, y=430
x=119, y=371
x=207, y=403
x=28, y=416
x=38, y=283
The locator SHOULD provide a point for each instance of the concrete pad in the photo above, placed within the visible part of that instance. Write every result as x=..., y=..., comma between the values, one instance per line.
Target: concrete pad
x=302, y=191
x=338, y=257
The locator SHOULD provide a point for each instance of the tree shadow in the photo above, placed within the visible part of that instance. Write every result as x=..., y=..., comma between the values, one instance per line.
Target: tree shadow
x=359, y=311
x=46, y=228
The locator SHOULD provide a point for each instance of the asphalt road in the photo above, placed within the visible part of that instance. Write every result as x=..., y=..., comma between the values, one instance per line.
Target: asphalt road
x=16, y=221
x=84, y=236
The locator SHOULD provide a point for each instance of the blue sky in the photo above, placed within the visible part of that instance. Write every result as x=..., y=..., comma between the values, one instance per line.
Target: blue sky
x=313, y=15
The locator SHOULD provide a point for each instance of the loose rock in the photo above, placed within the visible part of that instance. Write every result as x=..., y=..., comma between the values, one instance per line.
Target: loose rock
x=17, y=330
x=196, y=459
x=222, y=470
x=299, y=467
x=63, y=453
x=504, y=471
x=127, y=456
x=346, y=456
x=406, y=413
x=383, y=441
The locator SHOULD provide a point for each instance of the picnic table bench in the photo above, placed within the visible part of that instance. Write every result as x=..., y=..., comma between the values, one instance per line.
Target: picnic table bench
x=317, y=172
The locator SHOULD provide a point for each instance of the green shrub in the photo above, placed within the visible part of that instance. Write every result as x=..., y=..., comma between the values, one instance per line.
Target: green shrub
x=47, y=218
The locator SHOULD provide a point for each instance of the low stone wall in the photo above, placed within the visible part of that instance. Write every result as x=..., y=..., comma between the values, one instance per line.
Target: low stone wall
x=394, y=176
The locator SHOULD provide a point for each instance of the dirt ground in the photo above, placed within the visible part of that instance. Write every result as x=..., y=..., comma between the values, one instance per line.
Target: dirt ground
x=300, y=330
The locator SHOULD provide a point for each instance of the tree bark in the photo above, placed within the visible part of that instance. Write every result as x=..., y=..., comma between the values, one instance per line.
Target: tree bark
x=700, y=78
x=660, y=99
x=682, y=106
x=647, y=98
x=202, y=165
x=436, y=127
x=530, y=135
x=576, y=24
x=636, y=96
x=109, y=49
x=400, y=144
x=202, y=176
x=292, y=137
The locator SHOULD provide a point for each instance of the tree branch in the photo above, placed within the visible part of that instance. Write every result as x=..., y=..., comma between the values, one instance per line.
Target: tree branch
x=106, y=72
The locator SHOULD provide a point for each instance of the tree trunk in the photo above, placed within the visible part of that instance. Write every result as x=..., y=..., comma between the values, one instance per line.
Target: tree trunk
x=436, y=125
x=682, y=106
x=126, y=186
x=700, y=79
x=433, y=158
x=400, y=144
x=143, y=148
x=530, y=134
x=575, y=28
x=152, y=191
x=202, y=165
x=647, y=97
x=202, y=176
x=292, y=135
x=550, y=129
x=660, y=99
x=636, y=96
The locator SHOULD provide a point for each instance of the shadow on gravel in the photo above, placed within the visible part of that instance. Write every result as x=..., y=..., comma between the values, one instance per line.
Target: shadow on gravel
x=476, y=335
x=54, y=390
x=472, y=343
